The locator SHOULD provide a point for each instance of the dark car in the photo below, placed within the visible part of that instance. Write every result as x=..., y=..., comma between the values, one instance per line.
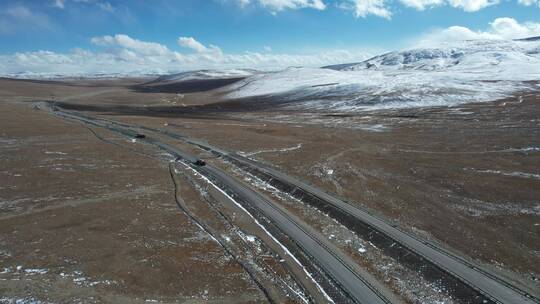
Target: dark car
x=139, y=135
x=200, y=163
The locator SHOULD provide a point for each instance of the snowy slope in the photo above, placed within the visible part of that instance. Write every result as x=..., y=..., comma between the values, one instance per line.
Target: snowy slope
x=465, y=72
x=206, y=75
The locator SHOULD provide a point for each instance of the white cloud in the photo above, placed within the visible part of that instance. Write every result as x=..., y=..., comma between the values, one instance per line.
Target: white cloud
x=509, y=28
x=191, y=43
x=472, y=5
x=364, y=8
x=126, y=42
x=126, y=55
x=211, y=51
x=279, y=5
x=422, y=4
x=500, y=28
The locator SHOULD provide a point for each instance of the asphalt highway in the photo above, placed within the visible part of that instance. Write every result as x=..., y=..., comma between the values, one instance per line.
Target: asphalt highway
x=343, y=274
x=340, y=271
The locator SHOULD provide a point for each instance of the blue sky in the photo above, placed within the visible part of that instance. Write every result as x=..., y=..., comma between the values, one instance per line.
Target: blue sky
x=300, y=31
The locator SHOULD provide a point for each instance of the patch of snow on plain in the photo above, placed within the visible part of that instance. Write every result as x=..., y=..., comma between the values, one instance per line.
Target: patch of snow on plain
x=478, y=208
x=29, y=300
x=471, y=71
x=288, y=149
x=529, y=149
x=506, y=173
x=36, y=271
x=55, y=152
x=250, y=238
x=22, y=270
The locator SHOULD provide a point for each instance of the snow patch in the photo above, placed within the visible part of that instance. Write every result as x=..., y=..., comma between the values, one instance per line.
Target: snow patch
x=36, y=271
x=28, y=300
x=55, y=152
x=246, y=154
x=506, y=173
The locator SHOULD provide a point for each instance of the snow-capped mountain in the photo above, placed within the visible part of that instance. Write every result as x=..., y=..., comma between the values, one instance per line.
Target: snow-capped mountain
x=465, y=55
x=469, y=71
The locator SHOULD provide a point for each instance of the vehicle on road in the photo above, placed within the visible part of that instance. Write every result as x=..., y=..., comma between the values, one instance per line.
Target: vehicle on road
x=200, y=163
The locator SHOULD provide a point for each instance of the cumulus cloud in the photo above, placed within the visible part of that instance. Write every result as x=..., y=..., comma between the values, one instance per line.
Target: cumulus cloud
x=422, y=4
x=500, y=28
x=363, y=8
x=191, y=43
x=134, y=45
x=126, y=55
x=509, y=28
x=472, y=5
x=279, y=5
x=210, y=51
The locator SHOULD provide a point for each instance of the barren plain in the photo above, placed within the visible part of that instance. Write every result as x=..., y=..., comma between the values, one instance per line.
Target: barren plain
x=88, y=215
